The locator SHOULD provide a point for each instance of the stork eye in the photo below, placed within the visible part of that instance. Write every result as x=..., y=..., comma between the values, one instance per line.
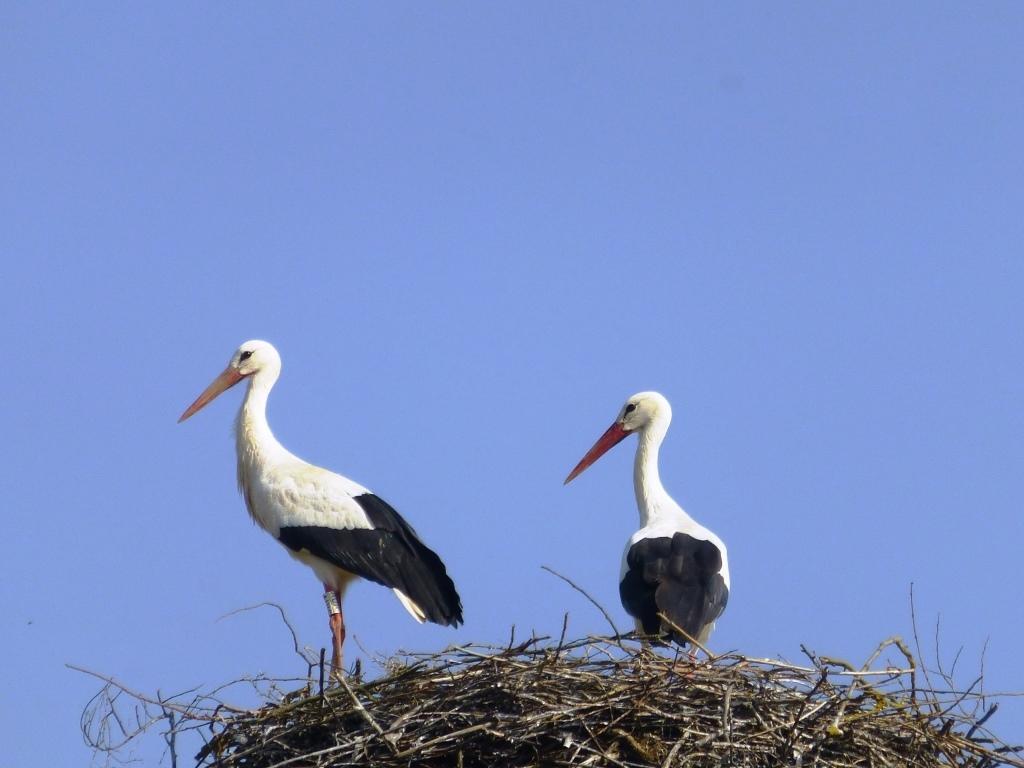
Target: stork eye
x=245, y=355
x=630, y=408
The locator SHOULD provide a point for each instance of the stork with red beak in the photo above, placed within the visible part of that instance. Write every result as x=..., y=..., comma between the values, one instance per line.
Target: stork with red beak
x=675, y=572
x=335, y=526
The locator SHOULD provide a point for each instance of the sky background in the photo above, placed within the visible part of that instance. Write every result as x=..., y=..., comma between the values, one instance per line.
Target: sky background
x=472, y=230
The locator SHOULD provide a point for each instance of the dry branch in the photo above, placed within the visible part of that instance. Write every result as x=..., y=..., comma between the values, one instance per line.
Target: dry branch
x=609, y=702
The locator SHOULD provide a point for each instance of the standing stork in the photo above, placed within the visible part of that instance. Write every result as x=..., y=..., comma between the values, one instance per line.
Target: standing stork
x=672, y=567
x=335, y=526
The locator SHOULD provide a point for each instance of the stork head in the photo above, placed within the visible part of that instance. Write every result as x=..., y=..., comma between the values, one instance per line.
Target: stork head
x=254, y=356
x=640, y=412
x=249, y=359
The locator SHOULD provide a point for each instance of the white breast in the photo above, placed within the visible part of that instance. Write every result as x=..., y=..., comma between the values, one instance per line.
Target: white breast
x=300, y=494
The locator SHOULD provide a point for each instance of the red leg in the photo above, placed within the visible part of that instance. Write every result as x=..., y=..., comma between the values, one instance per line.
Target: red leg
x=337, y=622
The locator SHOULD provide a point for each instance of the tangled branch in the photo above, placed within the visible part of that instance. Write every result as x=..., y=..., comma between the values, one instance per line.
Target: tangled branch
x=598, y=701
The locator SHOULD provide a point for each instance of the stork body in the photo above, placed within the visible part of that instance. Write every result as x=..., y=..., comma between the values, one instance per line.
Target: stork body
x=338, y=528
x=674, y=579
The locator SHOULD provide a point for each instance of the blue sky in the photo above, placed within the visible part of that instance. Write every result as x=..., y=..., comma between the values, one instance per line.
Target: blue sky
x=472, y=230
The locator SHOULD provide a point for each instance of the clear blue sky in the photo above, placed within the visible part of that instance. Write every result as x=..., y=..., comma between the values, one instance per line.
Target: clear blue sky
x=472, y=230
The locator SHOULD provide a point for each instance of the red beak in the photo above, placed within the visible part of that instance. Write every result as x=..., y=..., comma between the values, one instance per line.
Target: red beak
x=612, y=436
x=225, y=381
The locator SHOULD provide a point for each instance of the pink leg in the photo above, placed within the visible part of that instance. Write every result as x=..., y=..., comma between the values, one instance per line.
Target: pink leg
x=332, y=598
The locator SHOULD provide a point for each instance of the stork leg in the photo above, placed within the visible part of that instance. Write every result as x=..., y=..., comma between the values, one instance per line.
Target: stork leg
x=332, y=598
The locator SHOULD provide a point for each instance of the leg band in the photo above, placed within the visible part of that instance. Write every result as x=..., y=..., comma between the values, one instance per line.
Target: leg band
x=332, y=603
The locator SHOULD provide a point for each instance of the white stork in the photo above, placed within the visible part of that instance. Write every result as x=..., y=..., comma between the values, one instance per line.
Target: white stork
x=335, y=526
x=673, y=566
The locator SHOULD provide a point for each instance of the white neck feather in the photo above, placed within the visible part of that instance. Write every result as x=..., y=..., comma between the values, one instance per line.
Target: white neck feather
x=255, y=443
x=652, y=500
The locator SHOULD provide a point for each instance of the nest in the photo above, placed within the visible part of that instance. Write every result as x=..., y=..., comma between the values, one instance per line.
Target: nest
x=616, y=702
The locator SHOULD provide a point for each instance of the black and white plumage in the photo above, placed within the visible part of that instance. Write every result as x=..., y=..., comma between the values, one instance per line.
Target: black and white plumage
x=672, y=567
x=340, y=529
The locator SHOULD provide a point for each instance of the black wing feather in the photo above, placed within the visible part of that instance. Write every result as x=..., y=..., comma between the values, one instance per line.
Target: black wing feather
x=390, y=554
x=679, y=577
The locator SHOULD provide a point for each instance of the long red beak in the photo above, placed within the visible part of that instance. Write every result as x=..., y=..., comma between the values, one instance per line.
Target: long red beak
x=226, y=380
x=612, y=436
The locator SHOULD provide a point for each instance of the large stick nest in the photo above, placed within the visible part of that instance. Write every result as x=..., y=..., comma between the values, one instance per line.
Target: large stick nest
x=615, y=702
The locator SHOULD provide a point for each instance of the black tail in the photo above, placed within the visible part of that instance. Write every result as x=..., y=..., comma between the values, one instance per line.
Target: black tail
x=426, y=582
x=410, y=565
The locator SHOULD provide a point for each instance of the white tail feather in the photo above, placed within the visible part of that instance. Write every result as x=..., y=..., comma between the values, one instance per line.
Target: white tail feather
x=414, y=610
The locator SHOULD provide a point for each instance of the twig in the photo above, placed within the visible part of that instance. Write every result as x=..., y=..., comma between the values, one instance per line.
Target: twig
x=687, y=635
x=364, y=712
x=299, y=651
x=597, y=701
x=444, y=737
x=188, y=711
x=917, y=642
x=323, y=653
x=586, y=594
x=171, y=732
